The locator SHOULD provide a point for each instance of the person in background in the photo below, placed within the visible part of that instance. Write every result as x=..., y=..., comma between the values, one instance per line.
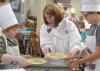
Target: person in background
x=81, y=27
x=72, y=16
x=91, y=11
x=67, y=13
x=58, y=34
x=9, y=50
x=62, y=8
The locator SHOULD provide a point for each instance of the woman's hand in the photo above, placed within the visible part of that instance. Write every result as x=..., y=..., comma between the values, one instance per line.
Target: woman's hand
x=70, y=58
x=45, y=50
x=73, y=64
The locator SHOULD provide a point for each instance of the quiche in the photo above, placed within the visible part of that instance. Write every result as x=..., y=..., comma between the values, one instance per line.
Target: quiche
x=36, y=61
x=56, y=55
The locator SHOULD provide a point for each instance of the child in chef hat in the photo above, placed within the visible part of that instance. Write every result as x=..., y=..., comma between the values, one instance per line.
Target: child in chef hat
x=9, y=52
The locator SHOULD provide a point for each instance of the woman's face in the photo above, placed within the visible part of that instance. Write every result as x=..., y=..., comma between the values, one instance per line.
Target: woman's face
x=50, y=18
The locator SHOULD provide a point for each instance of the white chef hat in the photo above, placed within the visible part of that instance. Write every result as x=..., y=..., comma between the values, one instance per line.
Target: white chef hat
x=90, y=5
x=7, y=17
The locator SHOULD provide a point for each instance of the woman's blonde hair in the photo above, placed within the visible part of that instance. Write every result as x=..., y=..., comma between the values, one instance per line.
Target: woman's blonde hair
x=54, y=10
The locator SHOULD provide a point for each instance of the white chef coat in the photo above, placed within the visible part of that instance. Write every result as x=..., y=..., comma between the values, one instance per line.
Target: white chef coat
x=63, y=39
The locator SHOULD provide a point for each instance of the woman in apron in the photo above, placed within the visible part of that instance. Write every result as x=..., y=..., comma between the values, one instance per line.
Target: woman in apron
x=91, y=11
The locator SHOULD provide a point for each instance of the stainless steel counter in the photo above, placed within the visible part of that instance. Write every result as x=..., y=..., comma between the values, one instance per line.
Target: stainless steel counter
x=51, y=65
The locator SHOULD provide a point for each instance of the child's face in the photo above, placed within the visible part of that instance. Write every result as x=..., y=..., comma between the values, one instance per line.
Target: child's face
x=12, y=32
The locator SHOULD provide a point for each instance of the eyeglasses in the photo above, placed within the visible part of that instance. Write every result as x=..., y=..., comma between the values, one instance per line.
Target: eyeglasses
x=87, y=13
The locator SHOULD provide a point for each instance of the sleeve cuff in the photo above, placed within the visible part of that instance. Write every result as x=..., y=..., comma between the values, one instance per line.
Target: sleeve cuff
x=75, y=47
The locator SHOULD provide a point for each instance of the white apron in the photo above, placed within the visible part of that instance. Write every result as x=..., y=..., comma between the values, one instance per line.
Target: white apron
x=14, y=50
x=91, y=44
